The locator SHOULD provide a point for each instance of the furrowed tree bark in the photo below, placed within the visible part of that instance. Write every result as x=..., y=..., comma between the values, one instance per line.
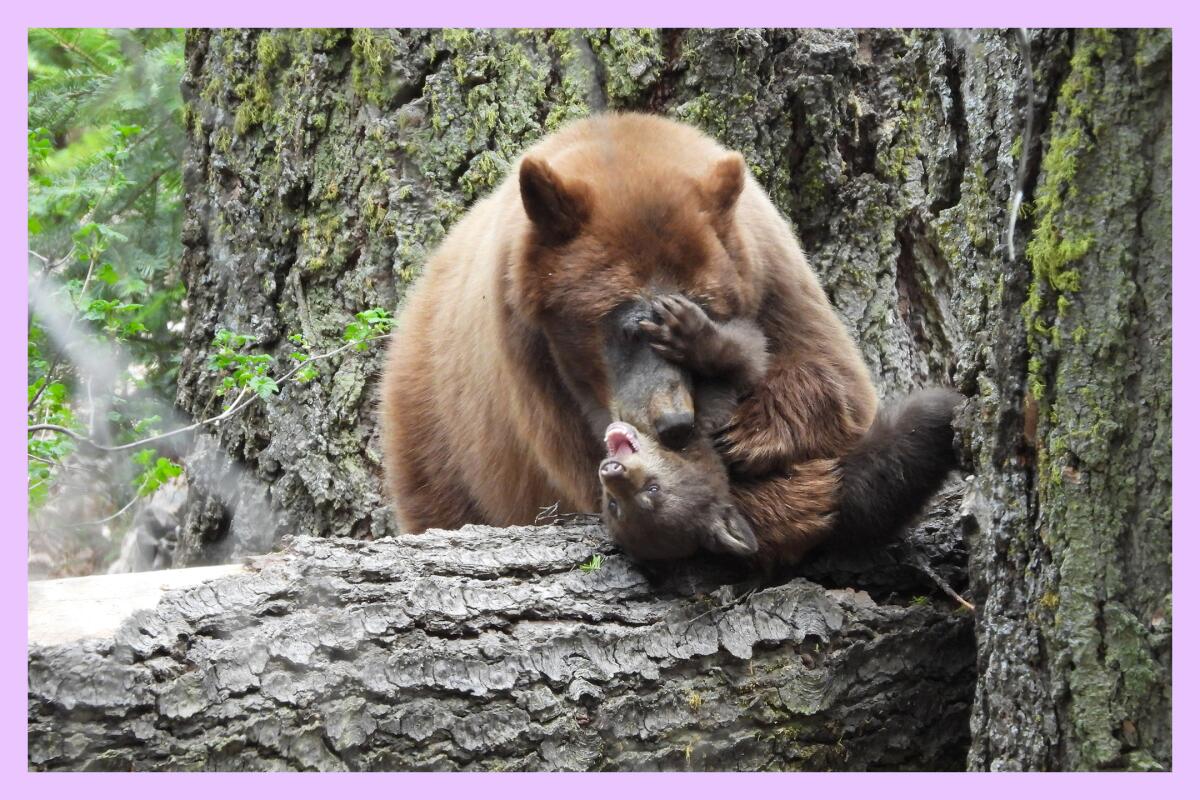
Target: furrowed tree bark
x=487, y=649
x=324, y=165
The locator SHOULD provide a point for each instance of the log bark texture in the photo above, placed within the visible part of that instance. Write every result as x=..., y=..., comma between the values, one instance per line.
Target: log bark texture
x=324, y=165
x=490, y=649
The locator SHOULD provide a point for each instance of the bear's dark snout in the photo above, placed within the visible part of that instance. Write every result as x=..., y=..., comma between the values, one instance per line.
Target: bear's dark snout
x=675, y=428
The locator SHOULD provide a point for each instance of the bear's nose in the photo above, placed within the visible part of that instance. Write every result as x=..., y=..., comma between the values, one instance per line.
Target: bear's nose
x=674, y=429
x=612, y=469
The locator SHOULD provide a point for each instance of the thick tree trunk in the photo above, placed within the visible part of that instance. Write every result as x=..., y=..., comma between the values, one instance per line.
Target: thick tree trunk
x=324, y=165
x=1072, y=433
x=490, y=649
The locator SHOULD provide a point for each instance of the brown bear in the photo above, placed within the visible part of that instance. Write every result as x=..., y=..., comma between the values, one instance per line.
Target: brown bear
x=519, y=344
x=662, y=503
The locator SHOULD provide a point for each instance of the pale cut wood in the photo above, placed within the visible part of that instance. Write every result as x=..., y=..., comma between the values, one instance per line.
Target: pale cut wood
x=74, y=609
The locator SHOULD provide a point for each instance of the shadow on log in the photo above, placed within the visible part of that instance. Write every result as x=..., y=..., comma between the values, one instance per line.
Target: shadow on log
x=491, y=649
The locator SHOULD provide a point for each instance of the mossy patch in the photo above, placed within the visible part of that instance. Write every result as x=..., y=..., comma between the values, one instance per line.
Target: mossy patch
x=1061, y=236
x=632, y=59
x=370, y=68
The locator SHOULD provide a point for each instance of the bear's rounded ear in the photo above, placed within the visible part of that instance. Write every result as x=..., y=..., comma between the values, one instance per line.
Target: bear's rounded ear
x=558, y=208
x=731, y=534
x=725, y=182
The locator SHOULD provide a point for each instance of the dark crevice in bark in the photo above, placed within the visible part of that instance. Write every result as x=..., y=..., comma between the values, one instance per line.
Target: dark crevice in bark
x=957, y=122
x=662, y=90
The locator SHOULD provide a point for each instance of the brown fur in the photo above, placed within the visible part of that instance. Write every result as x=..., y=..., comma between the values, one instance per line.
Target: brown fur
x=776, y=519
x=496, y=384
x=663, y=503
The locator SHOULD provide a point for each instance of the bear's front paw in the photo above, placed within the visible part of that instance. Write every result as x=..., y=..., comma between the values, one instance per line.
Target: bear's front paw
x=682, y=330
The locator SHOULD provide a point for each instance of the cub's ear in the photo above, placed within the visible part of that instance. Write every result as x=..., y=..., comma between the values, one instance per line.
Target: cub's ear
x=731, y=534
x=725, y=182
x=558, y=208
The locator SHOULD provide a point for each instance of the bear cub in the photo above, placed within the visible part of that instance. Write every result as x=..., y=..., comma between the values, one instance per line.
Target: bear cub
x=661, y=503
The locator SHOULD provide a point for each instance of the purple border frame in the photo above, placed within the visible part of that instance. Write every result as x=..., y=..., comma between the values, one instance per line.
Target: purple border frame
x=551, y=13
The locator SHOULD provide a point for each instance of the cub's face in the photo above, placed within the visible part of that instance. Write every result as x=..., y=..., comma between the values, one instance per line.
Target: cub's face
x=664, y=504
x=599, y=246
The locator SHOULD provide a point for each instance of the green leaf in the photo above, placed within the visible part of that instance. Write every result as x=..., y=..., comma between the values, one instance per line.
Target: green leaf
x=157, y=472
x=263, y=386
x=108, y=274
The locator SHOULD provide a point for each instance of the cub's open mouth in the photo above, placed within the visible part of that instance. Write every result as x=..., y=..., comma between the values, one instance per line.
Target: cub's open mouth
x=621, y=440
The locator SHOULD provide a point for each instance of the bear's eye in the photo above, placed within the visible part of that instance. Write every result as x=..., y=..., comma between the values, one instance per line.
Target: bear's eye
x=613, y=508
x=652, y=488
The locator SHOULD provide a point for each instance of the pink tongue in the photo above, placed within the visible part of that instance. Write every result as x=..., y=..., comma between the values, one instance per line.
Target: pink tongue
x=619, y=442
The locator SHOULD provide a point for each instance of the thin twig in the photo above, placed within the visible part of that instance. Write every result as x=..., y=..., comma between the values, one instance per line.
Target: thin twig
x=943, y=585
x=233, y=409
x=49, y=377
x=238, y=404
x=58, y=464
x=726, y=606
x=549, y=515
x=109, y=518
x=79, y=51
x=53, y=265
x=141, y=190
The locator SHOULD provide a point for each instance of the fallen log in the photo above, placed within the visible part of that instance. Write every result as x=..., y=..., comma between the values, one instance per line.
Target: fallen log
x=492, y=649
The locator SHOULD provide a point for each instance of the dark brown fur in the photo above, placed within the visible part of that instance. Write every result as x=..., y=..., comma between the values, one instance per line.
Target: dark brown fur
x=498, y=385
x=863, y=497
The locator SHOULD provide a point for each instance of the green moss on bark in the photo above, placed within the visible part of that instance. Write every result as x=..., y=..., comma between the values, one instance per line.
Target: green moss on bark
x=1083, y=315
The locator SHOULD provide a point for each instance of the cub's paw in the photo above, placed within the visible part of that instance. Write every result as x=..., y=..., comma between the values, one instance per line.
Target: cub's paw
x=682, y=332
x=730, y=533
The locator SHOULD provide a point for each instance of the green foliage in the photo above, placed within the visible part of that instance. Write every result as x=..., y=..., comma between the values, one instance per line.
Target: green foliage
x=245, y=370
x=156, y=471
x=593, y=564
x=369, y=324
x=47, y=450
x=105, y=141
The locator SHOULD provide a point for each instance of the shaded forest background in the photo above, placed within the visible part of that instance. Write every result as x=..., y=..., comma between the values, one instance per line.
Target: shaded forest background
x=983, y=214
